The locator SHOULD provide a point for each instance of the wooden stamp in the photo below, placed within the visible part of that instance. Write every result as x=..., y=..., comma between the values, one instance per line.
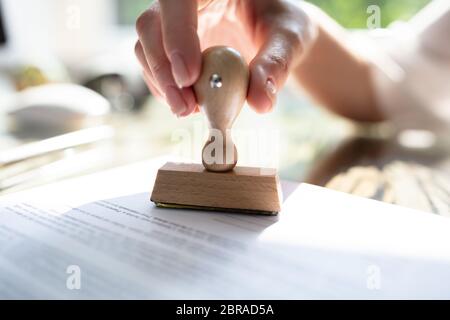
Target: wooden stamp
x=218, y=184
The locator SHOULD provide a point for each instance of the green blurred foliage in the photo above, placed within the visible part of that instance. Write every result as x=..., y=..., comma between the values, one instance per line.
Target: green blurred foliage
x=129, y=10
x=353, y=13
x=349, y=13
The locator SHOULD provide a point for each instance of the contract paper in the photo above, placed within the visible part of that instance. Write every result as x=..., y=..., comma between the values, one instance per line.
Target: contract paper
x=100, y=237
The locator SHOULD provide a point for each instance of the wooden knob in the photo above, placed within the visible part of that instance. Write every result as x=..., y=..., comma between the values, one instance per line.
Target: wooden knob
x=221, y=92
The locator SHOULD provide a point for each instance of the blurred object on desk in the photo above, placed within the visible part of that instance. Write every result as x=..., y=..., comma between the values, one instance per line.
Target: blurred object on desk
x=31, y=72
x=387, y=171
x=2, y=28
x=29, y=76
x=58, y=143
x=58, y=108
x=134, y=140
x=5, y=38
x=20, y=164
x=401, y=183
x=116, y=76
x=119, y=91
x=53, y=46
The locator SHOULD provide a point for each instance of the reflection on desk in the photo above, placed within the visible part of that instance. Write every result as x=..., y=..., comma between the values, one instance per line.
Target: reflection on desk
x=385, y=171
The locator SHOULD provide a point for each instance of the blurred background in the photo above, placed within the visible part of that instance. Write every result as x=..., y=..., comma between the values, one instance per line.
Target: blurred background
x=72, y=101
x=349, y=13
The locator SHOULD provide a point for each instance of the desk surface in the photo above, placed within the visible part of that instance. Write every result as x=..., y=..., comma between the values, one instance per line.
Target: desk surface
x=313, y=147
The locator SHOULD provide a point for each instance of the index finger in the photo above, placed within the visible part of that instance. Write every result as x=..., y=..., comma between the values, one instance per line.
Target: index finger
x=181, y=42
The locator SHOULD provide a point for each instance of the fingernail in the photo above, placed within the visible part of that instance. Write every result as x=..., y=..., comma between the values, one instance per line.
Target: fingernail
x=179, y=69
x=270, y=87
x=271, y=90
x=175, y=100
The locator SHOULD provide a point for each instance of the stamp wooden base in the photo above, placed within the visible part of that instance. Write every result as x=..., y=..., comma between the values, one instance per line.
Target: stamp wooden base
x=243, y=190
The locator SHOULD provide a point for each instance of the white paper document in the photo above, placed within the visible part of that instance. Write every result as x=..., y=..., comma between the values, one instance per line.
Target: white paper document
x=99, y=236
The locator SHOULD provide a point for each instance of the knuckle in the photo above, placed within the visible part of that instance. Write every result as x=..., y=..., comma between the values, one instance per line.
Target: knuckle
x=158, y=67
x=278, y=62
x=293, y=37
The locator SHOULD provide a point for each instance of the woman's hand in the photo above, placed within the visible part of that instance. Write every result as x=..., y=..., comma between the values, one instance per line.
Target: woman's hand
x=273, y=35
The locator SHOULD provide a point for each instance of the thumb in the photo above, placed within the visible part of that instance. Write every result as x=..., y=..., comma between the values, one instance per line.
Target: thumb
x=271, y=67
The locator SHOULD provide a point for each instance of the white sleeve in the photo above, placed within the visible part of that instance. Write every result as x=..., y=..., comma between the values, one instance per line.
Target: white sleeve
x=411, y=69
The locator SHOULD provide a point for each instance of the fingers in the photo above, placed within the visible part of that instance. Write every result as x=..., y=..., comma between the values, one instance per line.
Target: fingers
x=152, y=56
x=181, y=43
x=151, y=85
x=270, y=68
x=147, y=73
